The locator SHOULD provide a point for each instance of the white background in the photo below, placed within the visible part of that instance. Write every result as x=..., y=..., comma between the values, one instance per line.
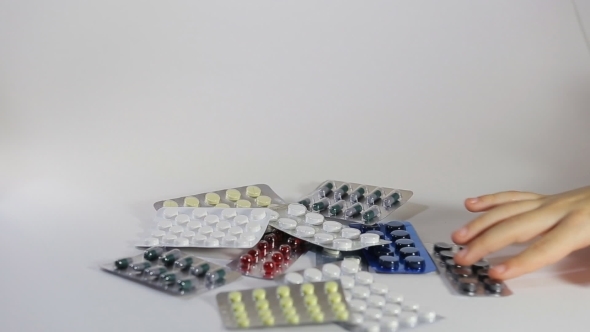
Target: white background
x=109, y=106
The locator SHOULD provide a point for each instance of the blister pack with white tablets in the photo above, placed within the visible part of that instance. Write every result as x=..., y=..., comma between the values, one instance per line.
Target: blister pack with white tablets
x=271, y=257
x=354, y=202
x=471, y=280
x=258, y=195
x=286, y=305
x=373, y=306
x=207, y=227
x=172, y=271
x=405, y=254
x=312, y=227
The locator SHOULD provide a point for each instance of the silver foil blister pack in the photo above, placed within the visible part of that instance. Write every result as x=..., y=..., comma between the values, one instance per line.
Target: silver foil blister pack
x=354, y=202
x=253, y=196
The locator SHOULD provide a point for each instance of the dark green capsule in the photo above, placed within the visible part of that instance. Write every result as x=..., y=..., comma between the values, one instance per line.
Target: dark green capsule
x=305, y=202
x=187, y=284
x=320, y=205
x=200, y=270
x=336, y=208
x=370, y=214
x=374, y=196
x=155, y=271
x=326, y=189
x=215, y=276
x=391, y=199
x=185, y=262
x=153, y=253
x=358, y=194
x=169, y=278
x=123, y=263
x=341, y=192
x=171, y=256
x=353, y=210
x=140, y=267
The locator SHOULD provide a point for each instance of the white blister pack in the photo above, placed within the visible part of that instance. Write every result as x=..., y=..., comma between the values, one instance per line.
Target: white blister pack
x=207, y=227
x=297, y=221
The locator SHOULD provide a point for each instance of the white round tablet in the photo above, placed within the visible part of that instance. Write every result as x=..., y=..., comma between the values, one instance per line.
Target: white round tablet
x=331, y=271
x=253, y=226
x=228, y=213
x=389, y=324
x=229, y=240
x=206, y=230
x=170, y=212
x=182, y=219
x=342, y=244
x=287, y=223
x=412, y=307
x=296, y=210
x=305, y=231
x=350, y=233
x=357, y=305
x=176, y=230
x=332, y=226
x=408, y=319
x=236, y=230
x=363, y=278
x=199, y=213
x=373, y=314
x=217, y=235
x=347, y=282
x=313, y=218
x=164, y=224
x=223, y=226
x=369, y=238
x=356, y=318
x=293, y=278
x=349, y=266
x=240, y=220
x=199, y=239
x=169, y=239
x=187, y=234
x=258, y=214
x=376, y=301
x=273, y=215
x=347, y=295
x=181, y=242
x=158, y=233
x=427, y=315
x=248, y=236
x=370, y=326
x=392, y=309
x=394, y=298
x=360, y=292
x=211, y=242
x=151, y=241
x=312, y=275
x=193, y=225
x=379, y=289
x=211, y=219
x=323, y=238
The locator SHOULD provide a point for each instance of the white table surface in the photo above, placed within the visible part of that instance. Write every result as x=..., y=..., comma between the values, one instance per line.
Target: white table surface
x=107, y=107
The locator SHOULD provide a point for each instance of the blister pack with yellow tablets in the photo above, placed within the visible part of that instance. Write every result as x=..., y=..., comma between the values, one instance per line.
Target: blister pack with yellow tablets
x=354, y=202
x=286, y=305
x=172, y=271
x=254, y=196
x=207, y=227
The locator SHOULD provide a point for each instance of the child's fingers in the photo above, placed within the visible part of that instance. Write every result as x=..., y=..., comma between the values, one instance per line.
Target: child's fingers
x=488, y=219
x=569, y=235
x=486, y=202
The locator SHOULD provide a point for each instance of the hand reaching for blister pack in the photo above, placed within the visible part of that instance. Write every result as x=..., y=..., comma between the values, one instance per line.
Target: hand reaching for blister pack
x=561, y=221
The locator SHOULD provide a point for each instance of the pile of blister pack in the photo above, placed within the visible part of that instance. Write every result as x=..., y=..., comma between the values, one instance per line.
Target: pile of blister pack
x=347, y=225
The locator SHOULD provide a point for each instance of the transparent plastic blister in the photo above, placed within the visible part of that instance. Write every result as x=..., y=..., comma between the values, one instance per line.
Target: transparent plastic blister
x=207, y=227
x=354, y=202
x=270, y=257
x=373, y=306
x=312, y=227
x=466, y=280
x=257, y=195
x=285, y=305
x=172, y=271
x=405, y=254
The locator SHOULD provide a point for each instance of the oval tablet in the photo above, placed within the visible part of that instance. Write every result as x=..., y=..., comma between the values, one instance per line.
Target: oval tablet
x=296, y=210
x=313, y=218
x=286, y=223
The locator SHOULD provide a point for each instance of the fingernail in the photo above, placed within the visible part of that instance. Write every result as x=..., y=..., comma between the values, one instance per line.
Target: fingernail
x=461, y=232
x=499, y=269
x=472, y=200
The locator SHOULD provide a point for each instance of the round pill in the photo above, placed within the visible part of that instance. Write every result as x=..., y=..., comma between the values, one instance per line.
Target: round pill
x=493, y=286
x=211, y=242
x=232, y=195
x=331, y=287
x=247, y=236
x=222, y=206
x=411, y=307
x=342, y=244
x=479, y=266
x=169, y=203
x=273, y=215
x=182, y=219
x=442, y=246
x=369, y=238
x=293, y=278
x=381, y=250
x=313, y=218
x=268, y=321
x=151, y=241
x=238, y=307
x=332, y=226
x=363, y=278
x=310, y=300
x=347, y=282
x=312, y=275
x=235, y=231
x=235, y=297
x=206, y=230
x=394, y=298
x=228, y=214
x=253, y=227
x=212, y=199
x=379, y=289
x=241, y=315
x=286, y=302
x=394, y=226
x=350, y=233
x=223, y=226
x=199, y=239
x=408, y=319
x=357, y=305
x=217, y=235
x=446, y=254
x=263, y=201
x=318, y=317
x=199, y=213
x=339, y=306
x=360, y=292
x=356, y=318
x=427, y=315
x=334, y=298
x=240, y=220
x=158, y=234
x=305, y=231
x=381, y=235
x=243, y=204
x=396, y=235
x=323, y=238
x=283, y=291
x=164, y=224
x=330, y=271
x=259, y=294
x=176, y=230
x=409, y=251
x=373, y=314
x=370, y=326
x=307, y=289
x=292, y=319
x=296, y=210
x=392, y=309
x=376, y=301
x=211, y=219
x=414, y=263
x=313, y=309
x=460, y=272
x=403, y=243
x=191, y=201
x=258, y=214
x=253, y=191
x=229, y=240
x=181, y=242
x=286, y=223
x=243, y=322
x=169, y=239
x=349, y=266
x=342, y=315
x=262, y=305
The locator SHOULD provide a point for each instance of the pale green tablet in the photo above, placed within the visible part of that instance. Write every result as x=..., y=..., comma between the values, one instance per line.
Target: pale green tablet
x=232, y=195
x=212, y=199
x=169, y=203
x=191, y=201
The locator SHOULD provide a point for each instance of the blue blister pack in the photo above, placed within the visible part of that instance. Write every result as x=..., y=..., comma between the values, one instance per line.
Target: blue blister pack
x=406, y=253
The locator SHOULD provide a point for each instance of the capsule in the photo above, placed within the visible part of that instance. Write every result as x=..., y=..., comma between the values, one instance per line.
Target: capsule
x=185, y=262
x=392, y=199
x=358, y=194
x=342, y=191
x=374, y=196
x=336, y=208
x=153, y=253
x=305, y=202
x=215, y=276
x=353, y=210
x=200, y=270
x=320, y=205
x=155, y=271
x=187, y=284
x=123, y=263
x=371, y=213
x=168, y=258
x=140, y=267
x=326, y=189
x=169, y=278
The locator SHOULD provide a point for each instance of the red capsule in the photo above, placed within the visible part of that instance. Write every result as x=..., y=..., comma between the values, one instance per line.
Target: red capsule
x=294, y=242
x=255, y=255
x=246, y=259
x=277, y=257
x=285, y=249
x=263, y=247
x=271, y=239
x=269, y=269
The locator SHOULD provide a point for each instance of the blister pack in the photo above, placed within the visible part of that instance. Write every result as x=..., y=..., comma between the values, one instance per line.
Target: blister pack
x=354, y=202
x=258, y=195
x=373, y=306
x=271, y=256
x=207, y=227
x=312, y=227
x=286, y=305
x=466, y=280
x=171, y=271
x=405, y=254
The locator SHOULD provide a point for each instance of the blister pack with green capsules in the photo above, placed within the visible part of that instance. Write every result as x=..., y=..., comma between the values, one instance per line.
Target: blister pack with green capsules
x=172, y=271
x=257, y=195
x=354, y=202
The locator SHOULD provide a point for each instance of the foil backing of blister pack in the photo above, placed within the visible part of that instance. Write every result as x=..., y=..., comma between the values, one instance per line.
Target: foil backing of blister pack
x=350, y=206
x=253, y=196
x=160, y=268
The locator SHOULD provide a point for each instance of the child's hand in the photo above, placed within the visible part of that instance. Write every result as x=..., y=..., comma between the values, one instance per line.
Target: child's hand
x=562, y=220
